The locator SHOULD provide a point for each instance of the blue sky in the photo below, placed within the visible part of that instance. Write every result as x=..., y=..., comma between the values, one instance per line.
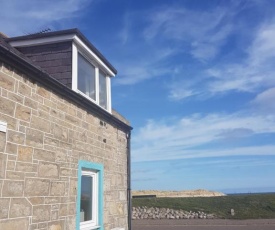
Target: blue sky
x=196, y=79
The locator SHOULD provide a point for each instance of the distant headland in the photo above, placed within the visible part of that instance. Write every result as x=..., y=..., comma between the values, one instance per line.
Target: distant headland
x=184, y=193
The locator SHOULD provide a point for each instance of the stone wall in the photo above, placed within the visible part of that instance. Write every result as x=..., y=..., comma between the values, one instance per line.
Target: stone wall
x=167, y=213
x=46, y=137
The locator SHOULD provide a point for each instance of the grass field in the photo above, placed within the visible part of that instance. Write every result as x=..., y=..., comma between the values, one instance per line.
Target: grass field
x=251, y=206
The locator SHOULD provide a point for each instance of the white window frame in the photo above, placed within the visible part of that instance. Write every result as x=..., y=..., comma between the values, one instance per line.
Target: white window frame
x=76, y=50
x=92, y=224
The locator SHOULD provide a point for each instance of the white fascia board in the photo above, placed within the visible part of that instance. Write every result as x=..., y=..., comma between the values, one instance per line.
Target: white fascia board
x=81, y=44
x=109, y=95
x=74, y=67
x=40, y=41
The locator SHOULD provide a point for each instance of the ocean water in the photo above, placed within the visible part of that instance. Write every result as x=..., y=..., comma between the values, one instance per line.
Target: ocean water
x=238, y=191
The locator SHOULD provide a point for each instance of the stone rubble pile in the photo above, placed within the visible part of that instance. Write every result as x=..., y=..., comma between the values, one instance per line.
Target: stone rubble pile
x=167, y=213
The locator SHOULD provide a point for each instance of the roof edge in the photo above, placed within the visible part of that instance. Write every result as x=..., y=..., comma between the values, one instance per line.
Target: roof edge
x=45, y=79
x=73, y=31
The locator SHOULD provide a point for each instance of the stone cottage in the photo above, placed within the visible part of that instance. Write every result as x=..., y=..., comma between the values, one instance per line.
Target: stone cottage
x=64, y=153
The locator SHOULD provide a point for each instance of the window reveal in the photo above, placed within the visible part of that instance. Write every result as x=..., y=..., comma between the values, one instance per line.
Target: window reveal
x=102, y=90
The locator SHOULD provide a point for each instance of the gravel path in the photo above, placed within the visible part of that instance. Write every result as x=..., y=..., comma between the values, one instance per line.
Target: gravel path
x=196, y=224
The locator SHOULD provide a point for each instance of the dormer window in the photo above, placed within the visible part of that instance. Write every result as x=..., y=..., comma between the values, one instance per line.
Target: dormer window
x=91, y=78
x=92, y=82
x=71, y=59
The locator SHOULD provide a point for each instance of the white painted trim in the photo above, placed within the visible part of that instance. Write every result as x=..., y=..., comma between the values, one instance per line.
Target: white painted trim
x=90, y=228
x=84, y=95
x=78, y=41
x=40, y=41
x=97, y=85
x=3, y=126
x=74, y=67
x=109, y=94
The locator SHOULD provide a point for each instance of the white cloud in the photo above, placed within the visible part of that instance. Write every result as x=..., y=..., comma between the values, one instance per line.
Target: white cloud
x=158, y=154
x=204, y=31
x=18, y=17
x=236, y=133
x=141, y=67
x=131, y=74
x=180, y=93
x=256, y=71
x=184, y=88
x=252, y=74
x=182, y=138
x=224, y=162
x=210, y=44
x=262, y=49
x=167, y=31
x=265, y=101
x=124, y=33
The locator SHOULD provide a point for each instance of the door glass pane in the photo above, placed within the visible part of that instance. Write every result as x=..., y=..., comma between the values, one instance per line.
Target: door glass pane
x=86, y=198
x=86, y=77
x=102, y=90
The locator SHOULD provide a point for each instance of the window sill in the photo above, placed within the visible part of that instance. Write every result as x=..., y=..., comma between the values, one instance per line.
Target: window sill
x=89, y=228
x=90, y=99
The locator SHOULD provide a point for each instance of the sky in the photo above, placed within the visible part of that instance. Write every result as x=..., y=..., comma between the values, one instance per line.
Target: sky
x=196, y=79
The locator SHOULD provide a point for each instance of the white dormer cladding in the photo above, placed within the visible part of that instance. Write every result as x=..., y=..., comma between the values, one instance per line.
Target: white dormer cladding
x=80, y=48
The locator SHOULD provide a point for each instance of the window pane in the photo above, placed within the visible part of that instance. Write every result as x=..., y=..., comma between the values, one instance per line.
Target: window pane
x=102, y=90
x=86, y=77
x=86, y=197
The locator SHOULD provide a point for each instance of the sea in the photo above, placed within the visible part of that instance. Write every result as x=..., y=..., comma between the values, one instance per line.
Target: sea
x=246, y=191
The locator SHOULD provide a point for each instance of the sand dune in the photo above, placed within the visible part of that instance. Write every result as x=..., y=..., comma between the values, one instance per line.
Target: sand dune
x=184, y=193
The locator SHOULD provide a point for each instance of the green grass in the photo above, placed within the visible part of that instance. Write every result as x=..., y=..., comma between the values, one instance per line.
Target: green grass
x=251, y=206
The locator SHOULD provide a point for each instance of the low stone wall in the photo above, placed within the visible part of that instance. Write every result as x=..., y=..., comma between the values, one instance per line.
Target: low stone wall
x=166, y=213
